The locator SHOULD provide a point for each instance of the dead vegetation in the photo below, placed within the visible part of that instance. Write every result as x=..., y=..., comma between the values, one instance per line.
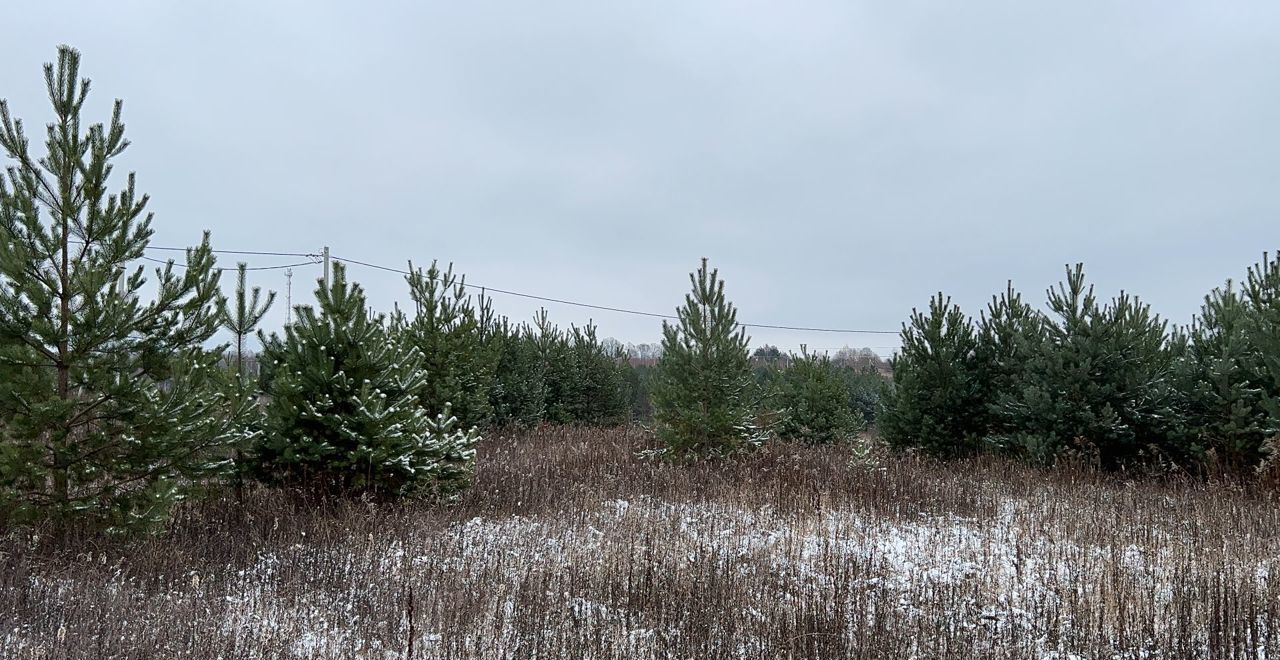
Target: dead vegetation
x=570, y=546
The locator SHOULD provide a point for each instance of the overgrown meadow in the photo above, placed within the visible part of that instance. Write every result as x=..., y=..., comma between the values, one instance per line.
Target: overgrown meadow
x=1078, y=479
x=569, y=545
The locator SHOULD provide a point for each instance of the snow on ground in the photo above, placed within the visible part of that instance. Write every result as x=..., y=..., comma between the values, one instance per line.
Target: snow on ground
x=999, y=576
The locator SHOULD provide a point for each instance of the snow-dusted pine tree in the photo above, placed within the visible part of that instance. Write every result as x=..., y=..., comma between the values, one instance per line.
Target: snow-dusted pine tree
x=345, y=416
x=702, y=390
x=111, y=408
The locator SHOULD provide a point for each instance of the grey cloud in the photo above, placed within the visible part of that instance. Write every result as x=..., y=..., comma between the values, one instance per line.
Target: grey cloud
x=838, y=161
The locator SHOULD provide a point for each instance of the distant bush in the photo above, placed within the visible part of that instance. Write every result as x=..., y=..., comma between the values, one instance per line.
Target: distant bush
x=814, y=397
x=585, y=381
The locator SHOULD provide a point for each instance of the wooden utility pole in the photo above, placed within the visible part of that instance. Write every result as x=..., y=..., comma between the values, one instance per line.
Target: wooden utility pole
x=326, y=266
x=288, y=296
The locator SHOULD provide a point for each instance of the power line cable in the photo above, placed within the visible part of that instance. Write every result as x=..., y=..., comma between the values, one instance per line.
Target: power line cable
x=222, y=269
x=620, y=310
x=516, y=293
x=623, y=310
x=256, y=253
x=310, y=255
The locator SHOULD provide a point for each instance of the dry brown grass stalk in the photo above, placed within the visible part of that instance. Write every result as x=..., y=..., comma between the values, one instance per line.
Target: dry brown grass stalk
x=569, y=546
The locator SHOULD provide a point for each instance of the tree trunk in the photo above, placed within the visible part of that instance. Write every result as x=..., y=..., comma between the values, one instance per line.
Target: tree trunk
x=58, y=449
x=239, y=455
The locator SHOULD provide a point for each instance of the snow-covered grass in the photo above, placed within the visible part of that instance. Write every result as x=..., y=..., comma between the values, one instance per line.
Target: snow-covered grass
x=571, y=546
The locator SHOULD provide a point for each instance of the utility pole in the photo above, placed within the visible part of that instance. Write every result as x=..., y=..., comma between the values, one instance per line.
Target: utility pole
x=326, y=266
x=288, y=296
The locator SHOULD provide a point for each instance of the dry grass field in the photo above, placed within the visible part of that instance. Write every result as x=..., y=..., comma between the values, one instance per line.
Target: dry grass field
x=570, y=546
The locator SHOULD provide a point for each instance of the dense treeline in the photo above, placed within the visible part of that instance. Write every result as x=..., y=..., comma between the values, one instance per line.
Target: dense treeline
x=1105, y=382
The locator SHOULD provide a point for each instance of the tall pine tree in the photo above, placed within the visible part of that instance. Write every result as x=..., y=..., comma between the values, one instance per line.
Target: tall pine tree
x=702, y=390
x=111, y=409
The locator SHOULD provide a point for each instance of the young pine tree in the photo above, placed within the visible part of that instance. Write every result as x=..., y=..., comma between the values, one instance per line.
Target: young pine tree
x=1100, y=384
x=345, y=414
x=560, y=383
x=1010, y=332
x=1230, y=369
x=815, y=401
x=448, y=332
x=702, y=387
x=1224, y=382
x=639, y=383
x=585, y=382
x=936, y=401
x=601, y=397
x=111, y=409
x=241, y=315
x=1262, y=293
x=518, y=396
x=863, y=385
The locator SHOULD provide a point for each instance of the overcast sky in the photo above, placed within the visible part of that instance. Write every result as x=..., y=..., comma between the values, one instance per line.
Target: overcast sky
x=837, y=161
